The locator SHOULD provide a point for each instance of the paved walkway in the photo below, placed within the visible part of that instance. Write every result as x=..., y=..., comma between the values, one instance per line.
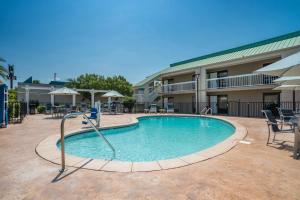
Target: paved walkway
x=252, y=171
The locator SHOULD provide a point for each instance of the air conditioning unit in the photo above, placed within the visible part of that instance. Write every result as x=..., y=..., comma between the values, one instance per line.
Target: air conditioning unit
x=157, y=83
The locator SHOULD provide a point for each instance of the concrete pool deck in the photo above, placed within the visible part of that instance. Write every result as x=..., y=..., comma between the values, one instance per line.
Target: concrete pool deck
x=248, y=171
x=48, y=150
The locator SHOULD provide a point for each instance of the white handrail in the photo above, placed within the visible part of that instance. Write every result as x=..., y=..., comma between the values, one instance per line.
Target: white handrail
x=245, y=80
x=175, y=87
x=62, y=136
x=203, y=110
x=208, y=110
x=180, y=83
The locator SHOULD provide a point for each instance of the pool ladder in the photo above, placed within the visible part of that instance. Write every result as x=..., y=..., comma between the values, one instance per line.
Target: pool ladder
x=62, y=135
x=206, y=110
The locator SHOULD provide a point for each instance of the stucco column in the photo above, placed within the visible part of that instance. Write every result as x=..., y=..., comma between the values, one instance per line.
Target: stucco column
x=74, y=99
x=52, y=97
x=197, y=77
x=202, y=98
x=27, y=98
x=92, y=97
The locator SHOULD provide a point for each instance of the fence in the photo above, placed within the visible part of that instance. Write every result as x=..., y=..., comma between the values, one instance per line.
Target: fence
x=16, y=112
x=231, y=108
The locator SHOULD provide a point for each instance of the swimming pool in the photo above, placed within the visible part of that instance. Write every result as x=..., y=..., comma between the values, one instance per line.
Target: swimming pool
x=153, y=138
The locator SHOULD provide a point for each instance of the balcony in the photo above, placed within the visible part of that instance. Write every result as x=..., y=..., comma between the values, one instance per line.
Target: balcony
x=240, y=81
x=140, y=98
x=182, y=87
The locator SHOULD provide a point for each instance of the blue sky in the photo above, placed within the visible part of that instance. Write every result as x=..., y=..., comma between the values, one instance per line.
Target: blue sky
x=130, y=38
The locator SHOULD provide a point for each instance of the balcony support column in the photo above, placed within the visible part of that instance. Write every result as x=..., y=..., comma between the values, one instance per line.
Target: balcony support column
x=92, y=91
x=197, y=77
x=202, y=98
x=27, y=98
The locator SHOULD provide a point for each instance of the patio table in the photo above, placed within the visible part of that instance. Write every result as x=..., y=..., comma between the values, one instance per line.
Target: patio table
x=58, y=111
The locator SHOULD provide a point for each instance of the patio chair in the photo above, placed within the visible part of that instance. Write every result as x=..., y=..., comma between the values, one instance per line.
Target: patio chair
x=48, y=108
x=54, y=111
x=83, y=107
x=153, y=108
x=93, y=115
x=286, y=115
x=73, y=109
x=273, y=123
x=170, y=108
x=113, y=108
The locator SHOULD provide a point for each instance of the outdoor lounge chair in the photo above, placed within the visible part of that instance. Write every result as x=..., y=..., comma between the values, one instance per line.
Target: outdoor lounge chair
x=273, y=123
x=286, y=115
x=170, y=108
x=153, y=108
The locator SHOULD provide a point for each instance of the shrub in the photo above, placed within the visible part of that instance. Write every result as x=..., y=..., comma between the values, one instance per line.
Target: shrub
x=13, y=109
x=41, y=109
x=129, y=103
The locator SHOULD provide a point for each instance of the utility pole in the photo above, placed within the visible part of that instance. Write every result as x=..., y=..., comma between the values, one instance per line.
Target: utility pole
x=11, y=75
x=55, y=77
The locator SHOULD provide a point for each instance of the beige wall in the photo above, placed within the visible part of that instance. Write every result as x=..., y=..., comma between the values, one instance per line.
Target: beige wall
x=244, y=68
x=244, y=96
x=183, y=103
x=183, y=98
x=180, y=78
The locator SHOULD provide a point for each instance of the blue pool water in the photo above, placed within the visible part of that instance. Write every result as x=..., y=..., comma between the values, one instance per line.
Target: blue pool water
x=153, y=138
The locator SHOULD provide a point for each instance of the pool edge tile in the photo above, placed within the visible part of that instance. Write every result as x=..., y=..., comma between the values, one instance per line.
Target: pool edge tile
x=145, y=166
x=172, y=163
x=117, y=166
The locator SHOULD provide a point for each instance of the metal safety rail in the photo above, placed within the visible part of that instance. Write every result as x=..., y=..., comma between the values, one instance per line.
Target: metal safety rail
x=206, y=110
x=203, y=110
x=62, y=135
x=209, y=110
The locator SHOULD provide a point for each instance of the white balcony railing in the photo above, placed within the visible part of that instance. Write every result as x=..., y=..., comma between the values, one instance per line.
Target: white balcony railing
x=140, y=98
x=178, y=87
x=245, y=80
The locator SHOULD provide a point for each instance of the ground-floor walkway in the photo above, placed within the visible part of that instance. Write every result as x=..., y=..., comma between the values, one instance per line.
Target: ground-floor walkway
x=248, y=171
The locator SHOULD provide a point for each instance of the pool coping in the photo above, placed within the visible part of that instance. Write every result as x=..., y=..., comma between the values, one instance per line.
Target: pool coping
x=48, y=150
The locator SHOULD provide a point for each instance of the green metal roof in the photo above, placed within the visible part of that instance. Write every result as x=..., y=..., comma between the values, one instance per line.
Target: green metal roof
x=265, y=46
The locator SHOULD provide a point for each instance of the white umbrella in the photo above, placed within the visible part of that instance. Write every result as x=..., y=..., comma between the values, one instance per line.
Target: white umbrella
x=288, y=80
x=64, y=91
x=289, y=66
x=113, y=94
x=288, y=87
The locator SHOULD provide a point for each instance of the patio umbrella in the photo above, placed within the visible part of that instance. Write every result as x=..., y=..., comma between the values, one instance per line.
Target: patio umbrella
x=289, y=66
x=64, y=91
x=288, y=80
x=113, y=94
x=288, y=87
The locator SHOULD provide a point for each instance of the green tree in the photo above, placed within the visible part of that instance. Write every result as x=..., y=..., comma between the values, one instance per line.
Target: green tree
x=36, y=81
x=12, y=95
x=3, y=70
x=120, y=84
x=129, y=103
x=88, y=81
